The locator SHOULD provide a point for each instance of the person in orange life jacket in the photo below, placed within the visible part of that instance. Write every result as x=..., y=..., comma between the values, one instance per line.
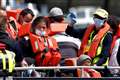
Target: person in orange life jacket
x=68, y=45
x=93, y=31
x=5, y=39
x=25, y=16
x=3, y=11
x=25, y=43
x=85, y=60
x=56, y=15
x=38, y=27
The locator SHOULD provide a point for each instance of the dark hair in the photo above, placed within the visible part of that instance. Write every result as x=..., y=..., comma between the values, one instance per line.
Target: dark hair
x=3, y=21
x=36, y=21
x=26, y=11
x=29, y=60
x=97, y=16
x=113, y=21
x=56, y=18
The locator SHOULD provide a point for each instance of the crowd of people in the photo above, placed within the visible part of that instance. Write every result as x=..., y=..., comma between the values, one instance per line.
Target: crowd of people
x=51, y=41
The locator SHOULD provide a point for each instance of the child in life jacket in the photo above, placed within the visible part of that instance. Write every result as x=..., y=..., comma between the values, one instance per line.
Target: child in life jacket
x=39, y=45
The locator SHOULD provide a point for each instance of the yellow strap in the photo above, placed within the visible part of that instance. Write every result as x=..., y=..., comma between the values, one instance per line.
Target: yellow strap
x=87, y=47
x=96, y=59
x=3, y=60
x=106, y=63
x=10, y=60
x=100, y=46
x=91, y=39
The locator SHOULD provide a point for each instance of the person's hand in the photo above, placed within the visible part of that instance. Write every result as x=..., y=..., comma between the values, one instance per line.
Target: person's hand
x=94, y=65
x=72, y=18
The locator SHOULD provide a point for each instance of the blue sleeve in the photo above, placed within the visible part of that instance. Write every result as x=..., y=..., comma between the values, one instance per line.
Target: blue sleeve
x=106, y=49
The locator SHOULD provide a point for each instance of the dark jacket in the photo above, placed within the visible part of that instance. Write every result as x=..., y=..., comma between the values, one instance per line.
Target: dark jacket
x=26, y=47
x=11, y=45
x=77, y=33
x=105, y=53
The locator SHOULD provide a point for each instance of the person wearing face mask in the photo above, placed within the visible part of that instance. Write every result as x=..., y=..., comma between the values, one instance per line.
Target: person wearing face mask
x=23, y=17
x=39, y=45
x=25, y=41
x=96, y=38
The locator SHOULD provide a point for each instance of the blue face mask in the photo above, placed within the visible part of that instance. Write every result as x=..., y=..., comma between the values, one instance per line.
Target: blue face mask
x=40, y=33
x=98, y=22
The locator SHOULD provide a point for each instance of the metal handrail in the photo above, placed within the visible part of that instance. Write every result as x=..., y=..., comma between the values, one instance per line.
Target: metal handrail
x=67, y=67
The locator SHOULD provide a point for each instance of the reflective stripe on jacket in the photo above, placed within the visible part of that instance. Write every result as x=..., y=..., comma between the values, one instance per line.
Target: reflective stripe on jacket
x=95, y=45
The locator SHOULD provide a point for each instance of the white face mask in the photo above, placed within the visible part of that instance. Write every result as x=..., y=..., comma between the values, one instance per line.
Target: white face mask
x=39, y=32
x=98, y=22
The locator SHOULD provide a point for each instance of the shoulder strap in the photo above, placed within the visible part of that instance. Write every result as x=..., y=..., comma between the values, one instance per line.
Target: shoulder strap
x=96, y=41
x=85, y=38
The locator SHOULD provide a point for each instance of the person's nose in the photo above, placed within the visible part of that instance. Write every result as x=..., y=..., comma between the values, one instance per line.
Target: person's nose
x=42, y=29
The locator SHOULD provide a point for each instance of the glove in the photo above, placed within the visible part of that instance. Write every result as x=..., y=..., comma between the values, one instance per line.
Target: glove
x=71, y=17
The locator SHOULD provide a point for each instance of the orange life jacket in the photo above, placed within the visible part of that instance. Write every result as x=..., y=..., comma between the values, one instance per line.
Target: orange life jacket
x=95, y=43
x=46, y=50
x=97, y=39
x=12, y=27
x=85, y=38
x=2, y=46
x=93, y=73
x=24, y=30
x=57, y=28
x=11, y=32
x=12, y=16
x=13, y=13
